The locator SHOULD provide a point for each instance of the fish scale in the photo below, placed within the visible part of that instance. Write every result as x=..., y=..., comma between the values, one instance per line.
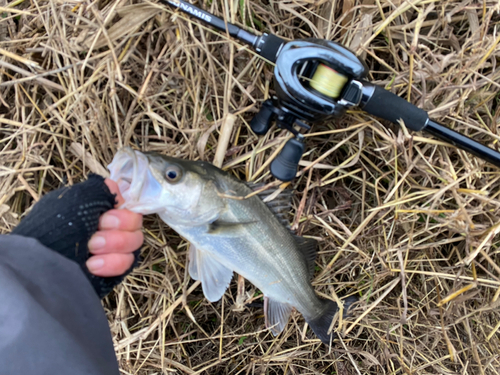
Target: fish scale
x=227, y=234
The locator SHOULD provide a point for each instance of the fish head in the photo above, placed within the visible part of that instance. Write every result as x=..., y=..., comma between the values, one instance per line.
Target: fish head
x=180, y=190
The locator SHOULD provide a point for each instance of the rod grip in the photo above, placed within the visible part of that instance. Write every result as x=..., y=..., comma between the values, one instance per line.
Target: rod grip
x=389, y=106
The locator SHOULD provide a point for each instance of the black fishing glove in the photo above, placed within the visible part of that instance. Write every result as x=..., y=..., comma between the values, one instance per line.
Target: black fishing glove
x=65, y=219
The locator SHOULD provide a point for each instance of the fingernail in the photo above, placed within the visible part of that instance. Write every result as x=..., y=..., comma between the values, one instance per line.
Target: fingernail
x=110, y=222
x=94, y=264
x=97, y=242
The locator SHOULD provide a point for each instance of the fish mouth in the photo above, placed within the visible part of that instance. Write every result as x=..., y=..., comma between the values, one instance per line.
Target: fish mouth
x=129, y=170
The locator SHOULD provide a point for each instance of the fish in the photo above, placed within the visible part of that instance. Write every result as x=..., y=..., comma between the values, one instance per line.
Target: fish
x=229, y=230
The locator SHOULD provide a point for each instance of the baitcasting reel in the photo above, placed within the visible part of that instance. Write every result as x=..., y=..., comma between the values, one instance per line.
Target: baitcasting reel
x=311, y=81
x=317, y=79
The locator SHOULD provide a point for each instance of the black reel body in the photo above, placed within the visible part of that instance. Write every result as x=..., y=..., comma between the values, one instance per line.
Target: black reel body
x=302, y=94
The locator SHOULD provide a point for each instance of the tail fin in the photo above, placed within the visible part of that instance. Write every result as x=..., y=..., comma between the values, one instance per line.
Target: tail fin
x=321, y=324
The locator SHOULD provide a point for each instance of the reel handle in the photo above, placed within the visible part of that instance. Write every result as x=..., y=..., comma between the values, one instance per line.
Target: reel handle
x=261, y=122
x=285, y=166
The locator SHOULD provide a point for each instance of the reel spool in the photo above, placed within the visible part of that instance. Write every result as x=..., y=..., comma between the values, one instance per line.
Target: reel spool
x=327, y=81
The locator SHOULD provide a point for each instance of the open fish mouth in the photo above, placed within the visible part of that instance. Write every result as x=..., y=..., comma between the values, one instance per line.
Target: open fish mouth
x=129, y=170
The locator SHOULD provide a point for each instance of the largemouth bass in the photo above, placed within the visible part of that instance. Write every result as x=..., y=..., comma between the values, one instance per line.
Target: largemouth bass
x=227, y=234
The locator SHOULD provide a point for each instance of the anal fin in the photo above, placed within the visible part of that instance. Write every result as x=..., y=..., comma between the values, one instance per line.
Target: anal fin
x=214, y=276
x=276, y=315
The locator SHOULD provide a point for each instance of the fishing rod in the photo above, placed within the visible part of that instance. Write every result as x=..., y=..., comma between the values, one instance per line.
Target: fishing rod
x=317, y=79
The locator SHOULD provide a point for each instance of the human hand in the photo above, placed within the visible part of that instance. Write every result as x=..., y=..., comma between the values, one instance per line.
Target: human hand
x=67, y=219
x=118, y=236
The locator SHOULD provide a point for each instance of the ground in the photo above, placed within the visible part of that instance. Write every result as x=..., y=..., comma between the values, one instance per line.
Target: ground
x=406, y=222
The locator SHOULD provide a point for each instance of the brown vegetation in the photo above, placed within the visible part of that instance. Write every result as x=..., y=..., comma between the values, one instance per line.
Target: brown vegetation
x=406, y=222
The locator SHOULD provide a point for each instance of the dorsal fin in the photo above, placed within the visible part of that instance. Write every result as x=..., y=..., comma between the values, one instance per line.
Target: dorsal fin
x=255, y=185
x=309, y=247
x=279, y=205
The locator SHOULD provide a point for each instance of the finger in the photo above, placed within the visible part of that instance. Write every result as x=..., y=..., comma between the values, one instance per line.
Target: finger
x=113, y=188
x=109, y=265
x=115, y=241
x=120, y=219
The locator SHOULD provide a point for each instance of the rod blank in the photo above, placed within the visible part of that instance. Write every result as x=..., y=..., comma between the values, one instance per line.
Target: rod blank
x=463, y=142
x=218, y=23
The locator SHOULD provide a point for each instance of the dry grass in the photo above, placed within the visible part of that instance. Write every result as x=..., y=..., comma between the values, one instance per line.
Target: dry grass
x=405, y=221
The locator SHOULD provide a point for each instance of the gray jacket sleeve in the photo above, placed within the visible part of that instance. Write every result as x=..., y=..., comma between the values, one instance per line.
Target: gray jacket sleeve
x=51, y=319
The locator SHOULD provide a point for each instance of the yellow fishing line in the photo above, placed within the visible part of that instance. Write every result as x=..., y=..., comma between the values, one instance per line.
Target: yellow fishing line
x=327, y=81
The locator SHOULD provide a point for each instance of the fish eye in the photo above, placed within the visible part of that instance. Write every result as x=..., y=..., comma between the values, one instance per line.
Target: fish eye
x=173, y=173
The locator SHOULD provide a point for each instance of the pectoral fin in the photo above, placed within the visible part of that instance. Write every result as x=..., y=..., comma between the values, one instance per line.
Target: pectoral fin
x=214, y=276
x=276, y=314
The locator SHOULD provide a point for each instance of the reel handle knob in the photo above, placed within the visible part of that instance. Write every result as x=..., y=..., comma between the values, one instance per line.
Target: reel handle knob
x=261, y=123
x=285, y=166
